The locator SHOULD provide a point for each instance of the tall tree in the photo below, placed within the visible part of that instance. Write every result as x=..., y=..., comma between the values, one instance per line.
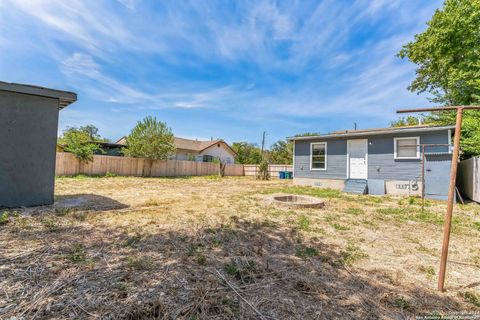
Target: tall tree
x=92, y=132
x=281, y=152
x=151, y=139
x=448, y=59
x=247, y=153
x=406, y=121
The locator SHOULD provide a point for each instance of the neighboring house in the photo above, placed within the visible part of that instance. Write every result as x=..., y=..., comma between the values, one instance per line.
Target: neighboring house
x=376, y=161
x=200, y=151
x=110, y=149
x=107, y=148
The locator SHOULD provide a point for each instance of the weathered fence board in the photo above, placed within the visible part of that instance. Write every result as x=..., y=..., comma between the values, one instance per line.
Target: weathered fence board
x=68, y=165
x=468, y=178
x=273, y=169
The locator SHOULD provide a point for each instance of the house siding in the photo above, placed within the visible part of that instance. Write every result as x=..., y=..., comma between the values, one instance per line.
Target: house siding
x=381, y=162
x=336, y=160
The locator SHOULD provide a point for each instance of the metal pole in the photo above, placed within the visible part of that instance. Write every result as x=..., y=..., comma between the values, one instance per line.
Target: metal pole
x=423, y=178
x=451, y=194
x=263, y=142
x=438, y=109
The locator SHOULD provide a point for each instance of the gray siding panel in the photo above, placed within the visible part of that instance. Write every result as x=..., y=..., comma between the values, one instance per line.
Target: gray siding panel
x=336, y=160
x=437, y=176
x=381, y=162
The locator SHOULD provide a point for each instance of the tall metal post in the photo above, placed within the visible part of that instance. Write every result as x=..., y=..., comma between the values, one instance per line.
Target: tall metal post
x=263, y=142
x=451, y=195
x=423, y=178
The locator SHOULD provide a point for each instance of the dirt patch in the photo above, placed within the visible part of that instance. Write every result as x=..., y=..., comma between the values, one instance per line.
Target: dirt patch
x=208, y=248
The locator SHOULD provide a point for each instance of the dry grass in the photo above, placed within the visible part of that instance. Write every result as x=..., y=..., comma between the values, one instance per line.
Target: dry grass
x=204, y=248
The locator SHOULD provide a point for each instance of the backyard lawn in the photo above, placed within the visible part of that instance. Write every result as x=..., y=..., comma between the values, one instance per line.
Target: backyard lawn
x=211, y=248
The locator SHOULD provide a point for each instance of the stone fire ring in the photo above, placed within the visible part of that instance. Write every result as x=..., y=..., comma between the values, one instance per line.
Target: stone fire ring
x=294, y=201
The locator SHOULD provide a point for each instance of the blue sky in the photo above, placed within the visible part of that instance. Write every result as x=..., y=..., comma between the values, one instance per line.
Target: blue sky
x=222, y=69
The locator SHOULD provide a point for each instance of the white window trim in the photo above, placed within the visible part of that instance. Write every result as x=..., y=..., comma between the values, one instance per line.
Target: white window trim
x=395, y=155
x=311, y=156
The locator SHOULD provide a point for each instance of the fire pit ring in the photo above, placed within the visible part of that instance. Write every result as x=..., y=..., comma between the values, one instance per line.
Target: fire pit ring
x=295, y=201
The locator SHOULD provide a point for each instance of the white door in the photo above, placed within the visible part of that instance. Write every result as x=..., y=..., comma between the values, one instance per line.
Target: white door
x=357, y=155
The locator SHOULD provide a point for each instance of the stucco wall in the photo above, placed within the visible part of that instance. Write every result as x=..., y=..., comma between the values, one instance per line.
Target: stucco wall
x=220, y=151
x=182, y=154
x=28, y=136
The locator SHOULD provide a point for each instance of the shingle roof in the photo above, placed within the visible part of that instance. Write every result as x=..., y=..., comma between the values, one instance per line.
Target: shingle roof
x=189, y=144
x=195, y=145
x=376, y=131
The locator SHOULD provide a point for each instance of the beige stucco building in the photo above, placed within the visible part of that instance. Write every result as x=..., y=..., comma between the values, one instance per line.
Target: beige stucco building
x=198, y=150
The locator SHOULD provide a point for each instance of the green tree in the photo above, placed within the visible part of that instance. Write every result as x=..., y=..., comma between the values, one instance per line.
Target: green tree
x=247, y=153
x=78, y=141
x=92, y=132
x=406, y=121
x=151, y=139
x=281, y=152
x=448, y=58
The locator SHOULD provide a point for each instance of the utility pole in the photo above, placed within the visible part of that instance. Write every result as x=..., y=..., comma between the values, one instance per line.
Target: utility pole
x=263, y=142
x=451, y=191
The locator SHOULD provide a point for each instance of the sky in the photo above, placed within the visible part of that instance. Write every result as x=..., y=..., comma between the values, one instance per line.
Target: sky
x=221, y=69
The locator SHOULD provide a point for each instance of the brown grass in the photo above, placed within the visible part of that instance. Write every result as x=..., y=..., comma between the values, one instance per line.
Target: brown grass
x=202, y=248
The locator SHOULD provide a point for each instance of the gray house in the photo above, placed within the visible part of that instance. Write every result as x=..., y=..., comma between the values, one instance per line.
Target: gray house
x=376, y=161
x=28, y=136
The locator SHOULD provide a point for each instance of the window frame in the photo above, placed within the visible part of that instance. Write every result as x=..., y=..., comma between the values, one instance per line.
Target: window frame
x=395, y=153
x=311, y=156
x=207, y=156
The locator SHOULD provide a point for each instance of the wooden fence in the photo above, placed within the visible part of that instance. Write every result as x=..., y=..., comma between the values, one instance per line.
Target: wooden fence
x=68, y=165
x=273, y=169
x=468, y=178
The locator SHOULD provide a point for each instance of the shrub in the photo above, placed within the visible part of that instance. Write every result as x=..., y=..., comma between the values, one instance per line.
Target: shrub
x=263, y=173
x=4, y=217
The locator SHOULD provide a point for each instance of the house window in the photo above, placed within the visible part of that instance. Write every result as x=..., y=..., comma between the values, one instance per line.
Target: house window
x=318, y=154
x=207, y=158
x=407, y=148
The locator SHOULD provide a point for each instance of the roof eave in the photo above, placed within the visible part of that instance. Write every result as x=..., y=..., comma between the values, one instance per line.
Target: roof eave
x=371, y=133
x=64, y=97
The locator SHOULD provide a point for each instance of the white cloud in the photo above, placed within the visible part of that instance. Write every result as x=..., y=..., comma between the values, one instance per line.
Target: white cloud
x=129, y=4
x=252, y=60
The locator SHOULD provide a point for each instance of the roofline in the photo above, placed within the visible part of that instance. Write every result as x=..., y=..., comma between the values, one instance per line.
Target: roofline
x=124, y=137
x=364, y=133
x=65, y=97
x=214, y=142
x=196, y=150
